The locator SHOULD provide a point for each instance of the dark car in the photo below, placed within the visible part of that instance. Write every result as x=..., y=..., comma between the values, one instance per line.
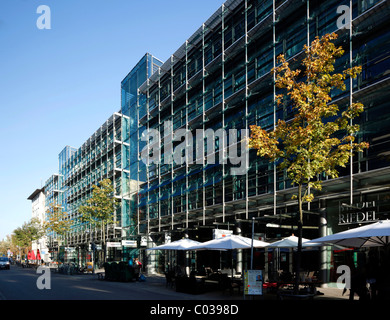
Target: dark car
x=4, y=263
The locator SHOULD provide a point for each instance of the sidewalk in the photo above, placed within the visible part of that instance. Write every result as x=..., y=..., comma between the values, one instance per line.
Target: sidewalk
x=157, y=282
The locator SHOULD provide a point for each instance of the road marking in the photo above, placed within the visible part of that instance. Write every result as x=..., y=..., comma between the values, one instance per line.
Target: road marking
x=91, y=289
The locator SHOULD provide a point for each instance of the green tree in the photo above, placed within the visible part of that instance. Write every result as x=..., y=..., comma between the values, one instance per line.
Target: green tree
x=100, y=208
x=30, y=231
x=320, y=138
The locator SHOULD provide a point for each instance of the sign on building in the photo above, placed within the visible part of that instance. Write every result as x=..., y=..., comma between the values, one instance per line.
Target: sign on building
x=129, y=243
x=114, y=245
x=357, y=213
x=220, y=233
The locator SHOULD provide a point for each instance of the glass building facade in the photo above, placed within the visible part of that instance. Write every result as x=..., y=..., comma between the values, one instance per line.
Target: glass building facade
x=220, y=79
x=129, y=107
x=106, y=154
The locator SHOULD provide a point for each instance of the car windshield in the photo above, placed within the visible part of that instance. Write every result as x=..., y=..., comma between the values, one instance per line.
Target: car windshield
x=3, y=259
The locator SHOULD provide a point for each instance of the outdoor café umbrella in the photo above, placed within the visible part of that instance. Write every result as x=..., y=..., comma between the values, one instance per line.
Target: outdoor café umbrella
x=30, y=255
x=292, y=242
x=228, y=243
x=182, y=244
x=33, y=255
x=372, y=235
x=38, y=255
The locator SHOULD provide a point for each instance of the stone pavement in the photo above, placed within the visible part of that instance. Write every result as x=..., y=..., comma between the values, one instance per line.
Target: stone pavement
x=157, y=282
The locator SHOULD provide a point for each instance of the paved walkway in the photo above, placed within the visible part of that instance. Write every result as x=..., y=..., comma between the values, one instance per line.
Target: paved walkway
x=157, y=282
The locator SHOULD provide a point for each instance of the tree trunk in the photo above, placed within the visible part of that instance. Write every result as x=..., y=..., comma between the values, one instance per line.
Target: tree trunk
x=299, y=250
x=104, y=242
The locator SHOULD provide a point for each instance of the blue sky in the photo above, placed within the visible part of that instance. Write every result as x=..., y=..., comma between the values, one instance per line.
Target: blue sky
x=58, y=86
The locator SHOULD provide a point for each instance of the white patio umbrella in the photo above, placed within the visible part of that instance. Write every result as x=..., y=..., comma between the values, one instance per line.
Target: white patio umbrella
x=229, y=242
x=372, y=235
x=182, y=244
x=292, y=242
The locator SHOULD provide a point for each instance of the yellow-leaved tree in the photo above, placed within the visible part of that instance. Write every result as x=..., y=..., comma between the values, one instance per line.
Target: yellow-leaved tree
x=320, y=138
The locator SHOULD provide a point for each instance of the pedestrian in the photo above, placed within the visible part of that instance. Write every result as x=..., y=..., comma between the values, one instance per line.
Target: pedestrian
x=137, y=268
x=358, y=284
x=373, y=273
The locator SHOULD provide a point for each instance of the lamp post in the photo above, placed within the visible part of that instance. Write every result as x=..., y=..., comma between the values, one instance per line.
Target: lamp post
x=253, y=234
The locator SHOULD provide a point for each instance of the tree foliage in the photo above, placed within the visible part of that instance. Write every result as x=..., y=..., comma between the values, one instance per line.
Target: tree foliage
x=101, y=206
x=57, y=220
x=30, y=231
x=319, y=138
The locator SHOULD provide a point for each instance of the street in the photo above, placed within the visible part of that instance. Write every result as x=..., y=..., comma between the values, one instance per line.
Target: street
x=147, y=300
x=144, y=299
x=21, y=284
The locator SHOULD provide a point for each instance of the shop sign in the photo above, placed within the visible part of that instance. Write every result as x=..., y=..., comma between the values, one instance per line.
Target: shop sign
x=357, y=213
x=220, y=233
x=114, y=245
x=144, y=241
x=129, y=243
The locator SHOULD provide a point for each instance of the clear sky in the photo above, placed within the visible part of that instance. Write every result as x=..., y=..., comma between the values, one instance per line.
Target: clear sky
x=58, y=86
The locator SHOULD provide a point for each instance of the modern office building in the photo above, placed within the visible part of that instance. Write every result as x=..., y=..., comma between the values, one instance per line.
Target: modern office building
x=105, y=155
x=102, y=156
x=220, y=79
x=174, y=151
x=55, y=196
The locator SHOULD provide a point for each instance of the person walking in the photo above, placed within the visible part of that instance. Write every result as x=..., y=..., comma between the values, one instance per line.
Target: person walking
x=137, y=265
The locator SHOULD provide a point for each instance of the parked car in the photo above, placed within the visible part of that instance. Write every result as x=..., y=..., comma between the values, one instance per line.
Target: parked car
x=4, y=263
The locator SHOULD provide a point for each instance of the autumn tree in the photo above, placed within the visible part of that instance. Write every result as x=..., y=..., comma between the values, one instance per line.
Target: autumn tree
x=8, y=243
x=57, y=221
x=320, y=138
x=100, y=208
x=5, y=244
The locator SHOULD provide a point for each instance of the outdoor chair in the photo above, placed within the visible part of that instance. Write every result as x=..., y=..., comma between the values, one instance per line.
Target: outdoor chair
x=208, y=271
x=311, y=276
x=228, y=284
